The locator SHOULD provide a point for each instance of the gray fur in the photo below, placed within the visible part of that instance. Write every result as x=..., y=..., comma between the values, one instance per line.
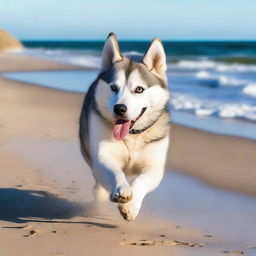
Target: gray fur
x=88, y=106
x=108, y=75
x=129, y=65
x=149, y=78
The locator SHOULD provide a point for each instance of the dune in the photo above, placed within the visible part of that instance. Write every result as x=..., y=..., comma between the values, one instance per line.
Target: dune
x=8, y=42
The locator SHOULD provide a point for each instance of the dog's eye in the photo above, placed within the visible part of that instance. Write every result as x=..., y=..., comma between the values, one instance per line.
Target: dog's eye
x=139, y=89
x=114, y=88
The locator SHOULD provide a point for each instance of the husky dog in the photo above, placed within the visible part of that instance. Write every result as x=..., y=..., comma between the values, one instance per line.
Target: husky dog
x=124, y=125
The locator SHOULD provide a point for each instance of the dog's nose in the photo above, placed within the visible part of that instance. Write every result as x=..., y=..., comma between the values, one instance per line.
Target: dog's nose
x=120, y=109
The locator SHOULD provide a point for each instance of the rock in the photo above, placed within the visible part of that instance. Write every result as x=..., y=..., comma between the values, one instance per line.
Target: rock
x=8, y=42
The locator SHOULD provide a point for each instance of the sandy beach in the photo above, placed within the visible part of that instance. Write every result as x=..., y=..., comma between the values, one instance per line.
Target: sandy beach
x=46, y=204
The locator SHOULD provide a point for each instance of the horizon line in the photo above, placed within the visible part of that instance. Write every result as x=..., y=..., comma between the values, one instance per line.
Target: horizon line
x=142, y=40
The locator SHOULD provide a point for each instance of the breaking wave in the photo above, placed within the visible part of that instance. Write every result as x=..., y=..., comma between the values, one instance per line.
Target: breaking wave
x=201, y=107
x=220, y=80
x=213, y=65
x=250, y=90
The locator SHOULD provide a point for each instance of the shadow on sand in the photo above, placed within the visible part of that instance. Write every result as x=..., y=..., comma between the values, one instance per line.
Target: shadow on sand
x=21, y=206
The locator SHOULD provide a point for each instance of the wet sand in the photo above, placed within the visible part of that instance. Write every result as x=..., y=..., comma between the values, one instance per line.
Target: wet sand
x=10, y=62
x=224, y=161
x=45, y=187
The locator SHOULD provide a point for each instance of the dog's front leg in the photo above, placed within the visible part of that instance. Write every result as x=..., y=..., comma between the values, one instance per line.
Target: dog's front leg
x=114, y=181
x=108, y=162
x=147, y=181
x=108, y=171
x=141, y=186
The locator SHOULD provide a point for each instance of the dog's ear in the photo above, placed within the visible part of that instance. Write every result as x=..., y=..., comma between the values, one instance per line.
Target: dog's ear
x=154, y=58
x=111, y=52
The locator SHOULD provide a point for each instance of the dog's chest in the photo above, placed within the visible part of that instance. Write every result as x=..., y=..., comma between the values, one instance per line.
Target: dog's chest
x=134, y=163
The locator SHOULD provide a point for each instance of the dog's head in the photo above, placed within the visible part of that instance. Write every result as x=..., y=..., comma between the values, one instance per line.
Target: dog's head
x=131, y=93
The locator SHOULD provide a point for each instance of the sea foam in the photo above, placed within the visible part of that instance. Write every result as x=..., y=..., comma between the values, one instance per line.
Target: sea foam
x=213, y=65
x=202, y=107
x=220, y=80
x=250, y=90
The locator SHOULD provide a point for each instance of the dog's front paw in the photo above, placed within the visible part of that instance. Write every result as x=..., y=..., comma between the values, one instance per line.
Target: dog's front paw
x=122, y=194
x=129, y=211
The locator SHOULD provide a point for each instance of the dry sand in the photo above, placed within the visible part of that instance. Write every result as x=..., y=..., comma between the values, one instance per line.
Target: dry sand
x=45, y=186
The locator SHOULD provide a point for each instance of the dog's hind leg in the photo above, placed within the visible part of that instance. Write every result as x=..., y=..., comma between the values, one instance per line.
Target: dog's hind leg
x=100, y=193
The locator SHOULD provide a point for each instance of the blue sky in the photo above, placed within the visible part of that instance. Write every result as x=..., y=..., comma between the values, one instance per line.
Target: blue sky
x=130, y=19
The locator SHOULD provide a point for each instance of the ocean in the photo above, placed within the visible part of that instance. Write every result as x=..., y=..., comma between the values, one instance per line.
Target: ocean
x=215, y=80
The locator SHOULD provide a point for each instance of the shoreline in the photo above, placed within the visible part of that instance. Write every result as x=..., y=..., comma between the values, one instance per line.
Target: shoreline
x=77, y=80
x=11, y=62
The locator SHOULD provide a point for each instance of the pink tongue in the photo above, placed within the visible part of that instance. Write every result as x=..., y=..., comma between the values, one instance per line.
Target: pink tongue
x=121, y=129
